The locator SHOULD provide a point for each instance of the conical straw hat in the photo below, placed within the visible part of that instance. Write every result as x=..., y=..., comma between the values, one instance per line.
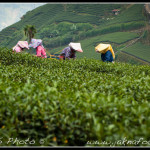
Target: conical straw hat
x=101, y=47
x=76, y=46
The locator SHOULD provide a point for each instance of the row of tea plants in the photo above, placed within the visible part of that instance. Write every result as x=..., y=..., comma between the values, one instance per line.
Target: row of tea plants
x=82, y=102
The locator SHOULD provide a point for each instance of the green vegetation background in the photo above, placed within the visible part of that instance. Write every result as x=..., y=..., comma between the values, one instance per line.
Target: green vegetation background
x=72, y=103
x=90, y=24
x=68, y=103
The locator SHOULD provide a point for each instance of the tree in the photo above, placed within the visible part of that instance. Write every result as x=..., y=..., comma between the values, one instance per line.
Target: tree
x=65, y=7
x=30, y=31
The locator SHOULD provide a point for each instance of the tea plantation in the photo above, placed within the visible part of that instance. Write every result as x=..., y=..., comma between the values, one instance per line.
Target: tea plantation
x=142, y=51
x=82, y=102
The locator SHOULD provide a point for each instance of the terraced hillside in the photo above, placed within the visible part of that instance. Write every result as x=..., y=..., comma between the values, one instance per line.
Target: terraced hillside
x=142, y=51
x=59, y=24
x=51, y=14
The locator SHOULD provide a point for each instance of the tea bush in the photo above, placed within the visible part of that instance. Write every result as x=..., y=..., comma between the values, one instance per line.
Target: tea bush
x=72, y=103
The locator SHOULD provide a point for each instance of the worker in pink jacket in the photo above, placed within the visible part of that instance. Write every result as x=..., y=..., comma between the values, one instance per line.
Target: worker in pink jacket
x=40, y=51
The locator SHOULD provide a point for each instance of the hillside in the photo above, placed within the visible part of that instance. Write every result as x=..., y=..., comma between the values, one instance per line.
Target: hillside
x=59, y=24
x=48, y=102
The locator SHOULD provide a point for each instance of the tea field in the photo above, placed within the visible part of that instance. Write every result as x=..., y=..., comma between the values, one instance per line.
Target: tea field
x=82, y=102
x=142, y=51
x=89, y=44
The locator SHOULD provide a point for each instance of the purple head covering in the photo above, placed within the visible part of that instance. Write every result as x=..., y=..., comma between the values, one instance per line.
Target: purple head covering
x=35, y=43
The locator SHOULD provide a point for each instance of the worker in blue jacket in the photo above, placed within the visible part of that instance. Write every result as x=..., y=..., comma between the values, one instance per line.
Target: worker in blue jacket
x=107, y=53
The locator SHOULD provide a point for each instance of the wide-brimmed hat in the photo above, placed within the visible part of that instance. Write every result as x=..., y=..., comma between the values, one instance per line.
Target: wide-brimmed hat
x=101, y=47
x=35, y=43
x=22, y=44
x=76, y=46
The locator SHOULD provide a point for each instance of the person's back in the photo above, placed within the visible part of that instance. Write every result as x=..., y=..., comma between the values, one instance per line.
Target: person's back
x=107, y=53
x=20, y=46
x=68, y=53
x=107, y=57
x=40, y=52
x=17, y=49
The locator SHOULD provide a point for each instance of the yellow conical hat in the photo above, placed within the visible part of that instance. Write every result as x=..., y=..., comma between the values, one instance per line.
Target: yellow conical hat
x=101, y=47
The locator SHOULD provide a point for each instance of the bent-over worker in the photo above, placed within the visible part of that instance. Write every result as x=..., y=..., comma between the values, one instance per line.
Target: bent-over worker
x=40, y=50
x=19, y=47
x=107, y=53
x=70, y=51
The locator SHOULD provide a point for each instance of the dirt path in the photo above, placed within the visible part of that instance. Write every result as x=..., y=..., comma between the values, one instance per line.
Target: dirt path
x=147, y=7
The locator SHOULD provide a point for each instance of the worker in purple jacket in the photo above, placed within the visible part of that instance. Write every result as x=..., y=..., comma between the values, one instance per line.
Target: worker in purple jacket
x=70, y=51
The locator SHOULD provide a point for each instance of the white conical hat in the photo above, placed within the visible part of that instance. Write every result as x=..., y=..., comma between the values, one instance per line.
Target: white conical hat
x=76, y=46
x=101, y=47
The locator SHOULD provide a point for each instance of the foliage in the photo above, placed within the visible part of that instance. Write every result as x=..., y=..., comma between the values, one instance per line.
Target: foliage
x=133, y=13
x=47, y=16
x=142, y=51
x=124, y=57
x=72, y=103
x=112, y=28
x=30, y=31
x=89, y=44
x=59, y=24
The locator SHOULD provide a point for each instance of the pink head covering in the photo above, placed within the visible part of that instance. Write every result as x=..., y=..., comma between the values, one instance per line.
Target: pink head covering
x=23, y=44
x=20, y=45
